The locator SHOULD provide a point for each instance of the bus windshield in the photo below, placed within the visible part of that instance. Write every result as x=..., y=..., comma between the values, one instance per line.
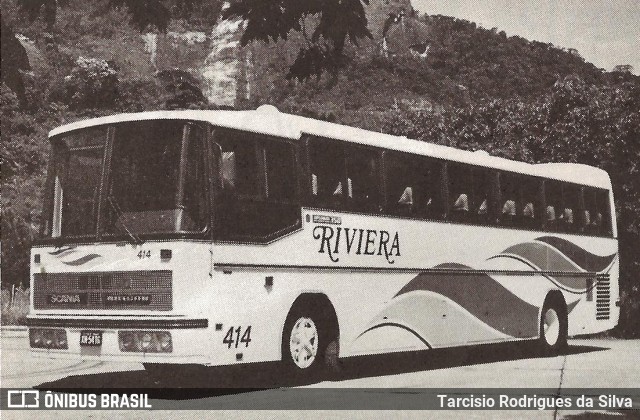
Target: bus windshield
x=154, y=183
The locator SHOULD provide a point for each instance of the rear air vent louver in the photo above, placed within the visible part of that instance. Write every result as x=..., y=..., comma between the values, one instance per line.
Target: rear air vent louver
x=603, y=297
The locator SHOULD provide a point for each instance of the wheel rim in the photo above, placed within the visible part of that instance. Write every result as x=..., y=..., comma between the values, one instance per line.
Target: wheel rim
x=303, y=343
x=551, y=327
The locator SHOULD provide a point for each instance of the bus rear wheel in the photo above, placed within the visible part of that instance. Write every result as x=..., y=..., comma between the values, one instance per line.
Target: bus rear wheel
x=553, y=326
x=307, y=344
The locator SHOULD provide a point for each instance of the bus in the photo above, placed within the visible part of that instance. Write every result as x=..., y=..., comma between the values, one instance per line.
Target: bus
x=218, y=237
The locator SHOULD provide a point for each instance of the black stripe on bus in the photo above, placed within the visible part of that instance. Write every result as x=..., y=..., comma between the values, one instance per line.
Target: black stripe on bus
x=117, y=323
x=230, y=266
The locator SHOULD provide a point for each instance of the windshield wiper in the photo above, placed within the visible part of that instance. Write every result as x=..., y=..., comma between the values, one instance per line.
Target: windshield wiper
x=116, y=208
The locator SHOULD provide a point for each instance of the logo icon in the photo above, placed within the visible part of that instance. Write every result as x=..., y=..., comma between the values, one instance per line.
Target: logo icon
x=23, y=399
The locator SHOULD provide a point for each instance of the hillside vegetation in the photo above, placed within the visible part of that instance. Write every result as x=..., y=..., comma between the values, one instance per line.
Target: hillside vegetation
x=477, y=89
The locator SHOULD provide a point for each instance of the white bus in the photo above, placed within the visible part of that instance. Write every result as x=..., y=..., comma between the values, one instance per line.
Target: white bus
x=227, y=237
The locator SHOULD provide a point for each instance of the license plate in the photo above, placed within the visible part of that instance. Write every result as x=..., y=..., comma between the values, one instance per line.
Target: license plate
x=91, y=338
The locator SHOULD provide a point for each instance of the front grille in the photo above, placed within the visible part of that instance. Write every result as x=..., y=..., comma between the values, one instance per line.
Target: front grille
x=141, y=290
x=603, y=297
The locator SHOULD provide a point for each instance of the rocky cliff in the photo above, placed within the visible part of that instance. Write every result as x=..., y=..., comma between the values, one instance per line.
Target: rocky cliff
x=231, y=74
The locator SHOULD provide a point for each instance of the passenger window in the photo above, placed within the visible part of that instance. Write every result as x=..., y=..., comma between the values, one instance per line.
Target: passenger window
x=553, y=203
x=240, y=168
x=590, y=217
x=569, y=217
x=603, y=215
x=280, y=168
x=430, y=175
x=328, y=173
x=460, y=180
x=259, y=195
x=345, y=177
x=403, y=185
x=530, y=206
x=196, y=184
x=363, y=180
x=510, y=199
x=482, y=203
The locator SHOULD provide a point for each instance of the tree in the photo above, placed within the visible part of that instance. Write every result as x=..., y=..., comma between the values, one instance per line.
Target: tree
x=144, y=13
x=14, y=59
x=47, y=9
x=334, y=20
x=623, y=68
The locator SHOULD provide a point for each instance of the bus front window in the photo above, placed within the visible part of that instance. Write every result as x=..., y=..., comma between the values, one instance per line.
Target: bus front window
x=155, y=183
x=150, y=191
x=75, y=182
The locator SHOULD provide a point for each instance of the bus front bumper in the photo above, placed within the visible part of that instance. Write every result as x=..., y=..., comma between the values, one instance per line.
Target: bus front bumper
x=162, y=340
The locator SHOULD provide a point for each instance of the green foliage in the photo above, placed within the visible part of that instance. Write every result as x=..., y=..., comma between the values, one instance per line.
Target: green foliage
x=181, y=90
x=492, y=65
x=92, y=83
x=144, y=14
x=47, y=9
x=335, y=21
x=23, y=150
x=14, y=59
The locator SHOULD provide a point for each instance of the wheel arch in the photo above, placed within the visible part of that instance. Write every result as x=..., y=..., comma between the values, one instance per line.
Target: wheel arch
x=555, y=296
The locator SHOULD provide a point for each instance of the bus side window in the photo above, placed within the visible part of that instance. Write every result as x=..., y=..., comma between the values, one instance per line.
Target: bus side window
x=259, y=193
x=481, y=201
x=431, y=203
x=363, y=180
x=530, y=205
x=460, y=190
x=510, y=199
x=590, y=218
x=195, y=195
x=240, y=166
x=553, y=201
x=571, y=208
x=328, y=173
x=280, y=209
x=603, y=215
x=281, y=172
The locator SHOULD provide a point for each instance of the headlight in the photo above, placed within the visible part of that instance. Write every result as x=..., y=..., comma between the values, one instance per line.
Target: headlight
x=48, y=338
x=145, y=341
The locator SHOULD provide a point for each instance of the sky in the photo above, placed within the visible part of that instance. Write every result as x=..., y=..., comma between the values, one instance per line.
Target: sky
x=605, y=32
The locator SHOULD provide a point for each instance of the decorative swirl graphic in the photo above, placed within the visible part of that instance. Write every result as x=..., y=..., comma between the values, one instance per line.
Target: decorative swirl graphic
x=82, y=260
x=581, y=257
x=476, y=306
x=559, y=258
x=482, y=296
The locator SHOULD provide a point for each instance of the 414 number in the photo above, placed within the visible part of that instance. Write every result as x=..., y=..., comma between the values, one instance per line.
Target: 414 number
x=236, y=336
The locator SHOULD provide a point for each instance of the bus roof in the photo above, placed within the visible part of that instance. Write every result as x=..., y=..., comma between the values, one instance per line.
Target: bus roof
x=268, y=120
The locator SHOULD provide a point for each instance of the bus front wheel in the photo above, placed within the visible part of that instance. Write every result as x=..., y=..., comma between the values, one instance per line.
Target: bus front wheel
x=308, y=342
x=553, y=325
x=160, y=374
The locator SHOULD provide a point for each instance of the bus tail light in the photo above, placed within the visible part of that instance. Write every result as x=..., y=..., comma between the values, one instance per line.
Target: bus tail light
x=48, y=338
x=145, y=341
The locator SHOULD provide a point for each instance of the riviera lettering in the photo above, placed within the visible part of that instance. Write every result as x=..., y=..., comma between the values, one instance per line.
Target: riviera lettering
x=356, y=241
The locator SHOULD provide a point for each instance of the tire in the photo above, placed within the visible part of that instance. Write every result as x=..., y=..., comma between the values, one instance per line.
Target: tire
x=553, y=326
x=309, y=342
x=173, y=375
x=157, y=372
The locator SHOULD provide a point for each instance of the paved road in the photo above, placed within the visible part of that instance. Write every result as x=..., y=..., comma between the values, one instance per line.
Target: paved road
x=587, y=363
